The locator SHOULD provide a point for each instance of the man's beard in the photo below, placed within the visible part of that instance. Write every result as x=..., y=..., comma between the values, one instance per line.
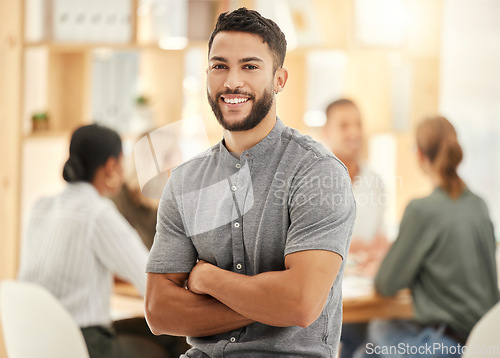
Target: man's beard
x=259, y=110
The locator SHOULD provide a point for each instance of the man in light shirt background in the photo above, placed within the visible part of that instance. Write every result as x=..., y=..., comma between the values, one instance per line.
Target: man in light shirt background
x=343, y=135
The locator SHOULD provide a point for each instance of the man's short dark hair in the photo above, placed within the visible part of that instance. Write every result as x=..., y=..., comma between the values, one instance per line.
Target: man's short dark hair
x=251, y=21
x=339, y=103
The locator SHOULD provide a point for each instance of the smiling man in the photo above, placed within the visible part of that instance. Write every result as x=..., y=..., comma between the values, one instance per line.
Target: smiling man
x=252, y=234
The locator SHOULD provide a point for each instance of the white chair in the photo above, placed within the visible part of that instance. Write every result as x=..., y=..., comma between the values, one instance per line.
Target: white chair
x=484, y=339
x=35, y=324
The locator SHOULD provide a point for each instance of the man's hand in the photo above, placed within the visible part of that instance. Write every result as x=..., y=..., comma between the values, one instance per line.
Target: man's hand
x=292, y=297
x=367, y=256
x=195, y=280
x=171, y=309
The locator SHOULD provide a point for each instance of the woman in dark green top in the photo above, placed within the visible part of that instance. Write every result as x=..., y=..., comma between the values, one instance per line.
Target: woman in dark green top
x=445, y=253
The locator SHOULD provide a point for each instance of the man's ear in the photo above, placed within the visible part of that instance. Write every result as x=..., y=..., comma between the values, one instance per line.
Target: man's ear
x=280, y=78
x=110, y=164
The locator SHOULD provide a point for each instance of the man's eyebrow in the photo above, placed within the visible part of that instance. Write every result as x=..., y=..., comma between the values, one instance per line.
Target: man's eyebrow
x=243, y=60
x=218, y=58
x=251, y=59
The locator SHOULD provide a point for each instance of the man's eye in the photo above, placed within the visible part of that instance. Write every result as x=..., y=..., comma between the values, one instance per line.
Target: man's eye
x=250, y=67
x=218, y=67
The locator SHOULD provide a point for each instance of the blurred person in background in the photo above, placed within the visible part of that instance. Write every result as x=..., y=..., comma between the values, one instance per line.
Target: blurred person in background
x=77, y=240
x=139, y=210
x=343, y=135
x=139, y=205
x=445, y=253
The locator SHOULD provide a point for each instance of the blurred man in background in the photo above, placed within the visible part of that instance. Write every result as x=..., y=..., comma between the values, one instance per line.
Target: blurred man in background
x=343, y=135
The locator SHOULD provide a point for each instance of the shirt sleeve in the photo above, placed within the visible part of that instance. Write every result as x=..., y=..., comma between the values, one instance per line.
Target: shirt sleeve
x=321, y=208
x=404, y=260
x=172, y=251
x=119, y=247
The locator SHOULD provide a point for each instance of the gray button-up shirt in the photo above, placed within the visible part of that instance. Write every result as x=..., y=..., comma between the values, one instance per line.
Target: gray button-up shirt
x=286, y=194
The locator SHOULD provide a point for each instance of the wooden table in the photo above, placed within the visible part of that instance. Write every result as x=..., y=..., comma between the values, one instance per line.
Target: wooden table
x=127, y=300
x=125, y=289
x=366, y=308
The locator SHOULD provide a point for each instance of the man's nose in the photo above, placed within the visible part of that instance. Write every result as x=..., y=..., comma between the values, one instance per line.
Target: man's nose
x=233, y=80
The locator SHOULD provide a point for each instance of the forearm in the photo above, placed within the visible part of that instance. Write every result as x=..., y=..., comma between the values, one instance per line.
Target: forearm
x=392, y=275
x=173, y=310
x=402, y=264
x=272, y=298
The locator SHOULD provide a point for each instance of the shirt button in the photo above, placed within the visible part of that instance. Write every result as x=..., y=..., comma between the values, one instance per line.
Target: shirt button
x=239, y=266
x=233, y=188
x=238, y=165
x=236, y=224
x=233, y=339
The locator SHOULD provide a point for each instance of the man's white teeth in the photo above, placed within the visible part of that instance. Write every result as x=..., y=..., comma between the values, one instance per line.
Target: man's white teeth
x=235, y=100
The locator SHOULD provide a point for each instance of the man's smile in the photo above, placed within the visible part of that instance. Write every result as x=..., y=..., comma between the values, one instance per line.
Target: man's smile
x=233, y=100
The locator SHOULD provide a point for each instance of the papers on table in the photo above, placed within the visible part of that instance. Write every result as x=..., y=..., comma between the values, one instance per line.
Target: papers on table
x=123, y=307
x=356, y=286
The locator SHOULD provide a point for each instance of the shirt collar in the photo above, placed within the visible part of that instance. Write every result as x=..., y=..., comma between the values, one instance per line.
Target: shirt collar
x=258, y=150
x=440, y=189
x=84, y=188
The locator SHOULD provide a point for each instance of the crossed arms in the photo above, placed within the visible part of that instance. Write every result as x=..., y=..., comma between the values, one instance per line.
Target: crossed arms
x=210, y=300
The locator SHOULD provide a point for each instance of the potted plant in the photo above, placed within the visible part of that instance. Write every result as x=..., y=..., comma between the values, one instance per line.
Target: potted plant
x=40, y=121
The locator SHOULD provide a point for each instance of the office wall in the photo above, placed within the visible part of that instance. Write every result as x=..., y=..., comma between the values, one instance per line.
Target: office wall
x=470, y=92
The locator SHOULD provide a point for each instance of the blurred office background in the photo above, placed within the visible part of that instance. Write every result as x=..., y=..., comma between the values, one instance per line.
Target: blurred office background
x=138, y=64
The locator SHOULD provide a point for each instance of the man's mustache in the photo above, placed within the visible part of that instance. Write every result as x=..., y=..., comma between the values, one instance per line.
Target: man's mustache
x=236, y=91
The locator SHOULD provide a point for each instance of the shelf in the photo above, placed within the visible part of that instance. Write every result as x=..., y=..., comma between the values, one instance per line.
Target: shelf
x=83, y=47
x=78, y=47
x=73, y=46
x=42, y=134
